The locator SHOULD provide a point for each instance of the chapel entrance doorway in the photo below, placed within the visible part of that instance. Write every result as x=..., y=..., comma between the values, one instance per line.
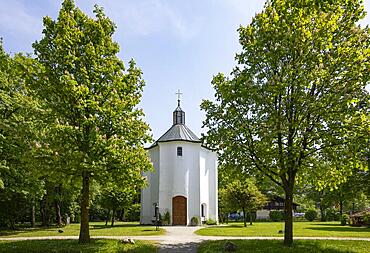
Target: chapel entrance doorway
x=179, y=210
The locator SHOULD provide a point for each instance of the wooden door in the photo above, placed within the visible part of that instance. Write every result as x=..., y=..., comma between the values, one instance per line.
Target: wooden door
x=179, y=210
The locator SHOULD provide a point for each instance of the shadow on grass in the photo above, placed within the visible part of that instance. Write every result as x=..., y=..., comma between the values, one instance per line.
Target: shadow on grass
x=98, y=226
x=8, y=232
x=276, y=246
x=342, y=229
x=64, y=246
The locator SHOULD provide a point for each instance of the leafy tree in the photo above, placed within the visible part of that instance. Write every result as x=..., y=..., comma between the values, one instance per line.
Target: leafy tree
x=296, y=96
x=113, y=198
x=96, y=130
x=243, y=194
x=19, y=187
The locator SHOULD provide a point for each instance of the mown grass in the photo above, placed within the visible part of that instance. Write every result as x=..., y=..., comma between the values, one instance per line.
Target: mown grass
x=276, y=246
x=311, y=229
x=72, y=246
x=96, y=228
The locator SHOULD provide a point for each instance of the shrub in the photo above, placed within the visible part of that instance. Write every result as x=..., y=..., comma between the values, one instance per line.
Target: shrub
x=344, y=219
x=133, y=213
x=194, y=221
x=367, y=219
x=310, y=215
x=332, y=215
x=211, y=222
x=276, y=215
x=166, y=220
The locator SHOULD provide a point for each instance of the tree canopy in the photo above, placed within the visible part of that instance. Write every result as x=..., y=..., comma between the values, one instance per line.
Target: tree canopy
x=243, y=194
x=296, y=96
x=95, y=131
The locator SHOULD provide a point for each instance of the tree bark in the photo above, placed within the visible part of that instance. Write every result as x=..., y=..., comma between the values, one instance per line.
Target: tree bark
x=113, y=214
x=250, y=218
x=288, y=209
x=107, y=217
x=33, y=214
x=44, y=210
x=58, y=215
x=122, y=215
x=341, y=208
x=322, y=214
x=84, y=227
x=244, y=217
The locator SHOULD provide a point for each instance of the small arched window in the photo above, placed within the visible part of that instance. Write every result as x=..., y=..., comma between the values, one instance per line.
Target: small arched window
x=179, y=151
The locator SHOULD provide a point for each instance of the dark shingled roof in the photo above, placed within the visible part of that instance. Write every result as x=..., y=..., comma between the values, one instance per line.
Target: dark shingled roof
x=179, y=132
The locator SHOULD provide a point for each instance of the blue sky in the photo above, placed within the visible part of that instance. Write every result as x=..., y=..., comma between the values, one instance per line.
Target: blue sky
x=177, y=44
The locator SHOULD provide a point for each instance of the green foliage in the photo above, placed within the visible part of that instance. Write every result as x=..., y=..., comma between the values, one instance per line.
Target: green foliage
x=332, y=215
x=194, y=221
x=211, y=222
x=294, y=105
x=133, y=212
x=310, y=215
x=242, y=194
x=276, y=215
x=367, y=219
x=344, y=219
x=166, y=220
x=95, y=130
x=20, y=185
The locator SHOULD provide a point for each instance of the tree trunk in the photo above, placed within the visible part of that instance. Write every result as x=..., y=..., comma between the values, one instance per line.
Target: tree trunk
x=113, y=214
x=84, y=227
x=250, y=218
x=122, y=215
x=341, y=208
x=44, y=210
x=107, y=217
x=322, y=214
x=244, y=217
x=33, y=214
x=288, y=209
x=58, y=216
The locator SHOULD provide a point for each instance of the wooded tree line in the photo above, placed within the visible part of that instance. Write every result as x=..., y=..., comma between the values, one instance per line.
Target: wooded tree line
x=246, y=194
x=71, y=132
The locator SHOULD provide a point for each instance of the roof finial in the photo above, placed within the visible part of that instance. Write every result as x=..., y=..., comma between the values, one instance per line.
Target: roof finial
x=178, y=93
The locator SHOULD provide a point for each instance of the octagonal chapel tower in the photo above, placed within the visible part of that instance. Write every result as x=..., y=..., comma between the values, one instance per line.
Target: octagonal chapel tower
x=184, y=182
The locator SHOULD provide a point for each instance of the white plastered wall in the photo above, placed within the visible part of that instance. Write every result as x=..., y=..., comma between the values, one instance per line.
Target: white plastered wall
x=149, y=194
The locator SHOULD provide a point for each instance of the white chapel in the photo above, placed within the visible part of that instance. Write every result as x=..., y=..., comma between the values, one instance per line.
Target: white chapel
x=184, y=181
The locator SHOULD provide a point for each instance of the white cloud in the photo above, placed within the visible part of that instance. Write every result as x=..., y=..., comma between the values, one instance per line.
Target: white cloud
x=147, y=17
x=15, y=19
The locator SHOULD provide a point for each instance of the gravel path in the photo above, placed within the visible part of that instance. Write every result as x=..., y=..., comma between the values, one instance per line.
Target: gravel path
x=181, y=239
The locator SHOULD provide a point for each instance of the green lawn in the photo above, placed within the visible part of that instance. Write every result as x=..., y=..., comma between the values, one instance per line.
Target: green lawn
x=96, y=228
x=59, y=246
x=312, y=229
x=300, y=246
